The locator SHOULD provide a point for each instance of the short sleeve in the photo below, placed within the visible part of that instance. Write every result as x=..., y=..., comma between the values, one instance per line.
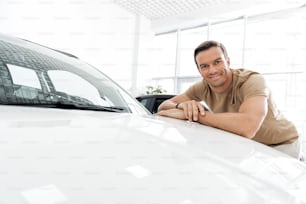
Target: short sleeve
x=255, y=85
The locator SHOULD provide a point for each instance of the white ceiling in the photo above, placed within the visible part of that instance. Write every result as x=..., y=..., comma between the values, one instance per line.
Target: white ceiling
x=160, y=9
x=167, y=15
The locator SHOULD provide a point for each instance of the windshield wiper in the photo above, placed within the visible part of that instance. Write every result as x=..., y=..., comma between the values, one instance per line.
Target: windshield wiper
x=73, y=106
x=86, y=107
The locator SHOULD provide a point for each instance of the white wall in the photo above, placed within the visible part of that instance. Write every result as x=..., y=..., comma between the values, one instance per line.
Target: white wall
x=98, y=32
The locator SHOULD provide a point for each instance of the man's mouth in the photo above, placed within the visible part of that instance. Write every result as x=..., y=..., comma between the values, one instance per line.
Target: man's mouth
x=214, y=77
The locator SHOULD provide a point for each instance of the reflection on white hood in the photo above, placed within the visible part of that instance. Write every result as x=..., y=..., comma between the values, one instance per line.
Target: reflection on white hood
x=100, y=157
x=45, y=194
x=138, y=171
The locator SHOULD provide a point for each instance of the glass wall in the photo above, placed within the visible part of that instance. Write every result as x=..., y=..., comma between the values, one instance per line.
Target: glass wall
x=163, y=62
x=276, y=44
x=165, y=52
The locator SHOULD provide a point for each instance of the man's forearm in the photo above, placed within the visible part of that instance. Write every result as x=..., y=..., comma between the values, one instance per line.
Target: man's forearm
x=166, y=105
x=236, y=123
x=173, y=113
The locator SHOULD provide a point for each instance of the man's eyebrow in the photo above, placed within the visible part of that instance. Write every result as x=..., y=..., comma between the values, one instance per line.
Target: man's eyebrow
x=203, y=64
x=219, y=58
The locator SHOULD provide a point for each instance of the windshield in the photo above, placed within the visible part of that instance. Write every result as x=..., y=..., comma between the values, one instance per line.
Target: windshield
x=33, y=75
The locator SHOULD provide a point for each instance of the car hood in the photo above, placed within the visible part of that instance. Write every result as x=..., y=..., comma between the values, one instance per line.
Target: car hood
x=53, y=156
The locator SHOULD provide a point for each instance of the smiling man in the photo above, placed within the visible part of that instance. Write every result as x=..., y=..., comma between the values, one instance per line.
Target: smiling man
x=239, y=100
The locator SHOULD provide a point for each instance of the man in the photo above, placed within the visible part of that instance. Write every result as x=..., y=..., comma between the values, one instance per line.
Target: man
x=239, y=99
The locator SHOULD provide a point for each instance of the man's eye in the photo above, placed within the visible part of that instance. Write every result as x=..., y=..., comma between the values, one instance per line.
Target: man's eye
x=204, y=66
x=218, y=62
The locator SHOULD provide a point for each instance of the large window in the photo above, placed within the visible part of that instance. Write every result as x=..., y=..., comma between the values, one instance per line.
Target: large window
x=164, y=55
x=277, y=43
x=163, y=62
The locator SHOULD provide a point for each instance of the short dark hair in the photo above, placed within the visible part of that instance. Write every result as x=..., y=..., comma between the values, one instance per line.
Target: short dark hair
x=206, y=45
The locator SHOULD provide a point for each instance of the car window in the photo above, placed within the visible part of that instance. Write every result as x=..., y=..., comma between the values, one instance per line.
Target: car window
x=145, y=101
x=152, y=101
x=158, y=101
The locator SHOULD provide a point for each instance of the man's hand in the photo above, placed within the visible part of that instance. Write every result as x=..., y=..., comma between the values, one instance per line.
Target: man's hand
x=181, y=104
x=192, y=109
x=187, y=110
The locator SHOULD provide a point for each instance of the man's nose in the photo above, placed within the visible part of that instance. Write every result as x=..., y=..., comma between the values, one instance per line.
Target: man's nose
x=212, y=68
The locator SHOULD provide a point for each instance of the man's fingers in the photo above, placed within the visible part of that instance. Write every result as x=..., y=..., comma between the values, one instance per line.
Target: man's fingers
x=195, y=110
x=201, y=109
x=192, y=109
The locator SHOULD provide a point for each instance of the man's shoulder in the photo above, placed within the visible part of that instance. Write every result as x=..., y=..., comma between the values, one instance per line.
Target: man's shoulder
x=250, y=82
x=242, y=72
x=243, y=75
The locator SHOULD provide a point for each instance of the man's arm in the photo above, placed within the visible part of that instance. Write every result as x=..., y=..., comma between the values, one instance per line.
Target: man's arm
x=246, y=122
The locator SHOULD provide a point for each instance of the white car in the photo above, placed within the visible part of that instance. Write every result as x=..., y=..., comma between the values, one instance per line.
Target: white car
x=70, y=135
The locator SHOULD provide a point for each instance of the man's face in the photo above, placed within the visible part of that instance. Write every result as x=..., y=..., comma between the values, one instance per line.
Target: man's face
x=214, y=68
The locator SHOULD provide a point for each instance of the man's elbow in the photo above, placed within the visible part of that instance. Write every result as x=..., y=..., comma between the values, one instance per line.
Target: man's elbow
x=251, y=126
x=249, y=135
x=249, y=132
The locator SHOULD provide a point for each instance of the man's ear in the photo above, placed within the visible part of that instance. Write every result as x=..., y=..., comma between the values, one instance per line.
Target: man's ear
x=198, y=68
x=228, y=61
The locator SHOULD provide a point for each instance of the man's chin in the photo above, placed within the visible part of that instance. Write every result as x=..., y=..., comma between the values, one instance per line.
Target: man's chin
x=216, y=84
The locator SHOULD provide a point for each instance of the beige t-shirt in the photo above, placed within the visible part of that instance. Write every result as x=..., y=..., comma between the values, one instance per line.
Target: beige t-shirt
x=276, y=129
